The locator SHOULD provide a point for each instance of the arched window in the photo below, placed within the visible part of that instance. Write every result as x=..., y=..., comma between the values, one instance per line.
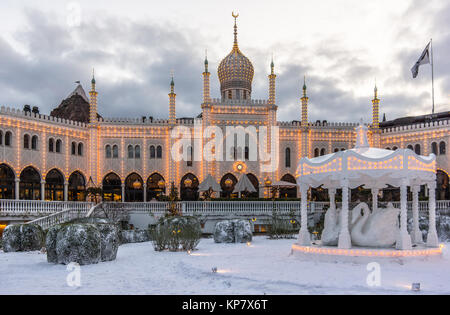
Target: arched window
x=7, y=182
x=50, y=145
x=58, y=146
x=134, y=190
x=26, y=141
x=74, y=148
x=1, y=137
x=410, y=147
x=152, y=152
x=287, y=157
x=316, y=152
x=434, y=148
x=34, y=142
x=417, y=149
x=54, y=186
x=30, y=184
x=137, y=152
x=246, y=153
x=130, y=152
x=441, y=147
x=112, y=188
x=115, y=151
x=8, y=138
x=394, y=148
x=336, y=150
x=159, y=152
x=80, y=148
x=155, y=186
x=108, y=151
x=77, y=187
x=322, y=151
x=342, y=149
x=388, y=148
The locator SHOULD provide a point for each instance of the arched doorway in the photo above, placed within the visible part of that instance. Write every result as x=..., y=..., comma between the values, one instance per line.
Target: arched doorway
x=227, y=184
x=77, y=187
x=189, y=187
x=7, y=182
x=30, y=184
x=134, y=188
x=54, y=186
x=255, y=183
x=112, y=188
x=288, y=192
x=442, y=189
x=156, y=186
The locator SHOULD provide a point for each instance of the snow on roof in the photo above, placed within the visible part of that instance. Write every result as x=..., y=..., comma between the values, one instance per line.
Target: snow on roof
x=80, y=91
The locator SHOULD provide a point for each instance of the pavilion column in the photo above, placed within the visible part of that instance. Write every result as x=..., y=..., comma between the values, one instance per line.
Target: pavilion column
x=144, y=186
x=404, y=239
x=416, y=235
x=374, y=199
x=123, y=192
x=304, y=238
x=332, y=195
x=42, y=189
x=66, y=191
x=17, y=188
x=344, y=235
x=432, y=238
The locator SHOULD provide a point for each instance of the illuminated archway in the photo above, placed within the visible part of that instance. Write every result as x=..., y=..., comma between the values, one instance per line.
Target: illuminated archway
x=7, y=182
x=288, y=192
x=189, y=187
x=112, y=188
x=134, y=188
x=30, y=184
x=54, y=185
x=227, y=184
x=77, y=187
x=156, y=186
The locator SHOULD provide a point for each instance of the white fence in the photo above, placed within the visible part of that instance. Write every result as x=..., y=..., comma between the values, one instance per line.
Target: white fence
x=38, y=207
x=42, y=208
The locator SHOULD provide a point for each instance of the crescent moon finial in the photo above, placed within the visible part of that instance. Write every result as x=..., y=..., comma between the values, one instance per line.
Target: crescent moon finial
x=234, y=15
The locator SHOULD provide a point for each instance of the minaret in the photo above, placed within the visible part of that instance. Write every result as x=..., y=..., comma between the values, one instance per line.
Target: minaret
x=206, y=90
x=93, y=101
x=304, y=104
x=172, y=96
x=375, y=109
x=272, y=77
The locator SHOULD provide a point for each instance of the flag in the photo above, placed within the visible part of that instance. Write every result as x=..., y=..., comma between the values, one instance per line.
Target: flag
x=424, y=58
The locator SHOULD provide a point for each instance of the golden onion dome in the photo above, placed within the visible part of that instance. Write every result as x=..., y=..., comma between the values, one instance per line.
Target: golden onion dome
x=235, y=70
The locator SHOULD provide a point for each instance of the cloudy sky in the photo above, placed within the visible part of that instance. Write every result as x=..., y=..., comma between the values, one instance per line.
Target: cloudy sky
x=342, y=47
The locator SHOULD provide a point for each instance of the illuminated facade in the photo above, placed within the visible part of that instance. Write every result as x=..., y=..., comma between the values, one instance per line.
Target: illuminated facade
x=50, y=158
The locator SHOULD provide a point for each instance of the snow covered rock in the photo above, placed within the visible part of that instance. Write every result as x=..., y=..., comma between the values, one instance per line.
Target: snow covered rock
x=224, y=232
x=80, y=243
x=23, y=237
x=134, y=236
x=443, y=228
x=233, y=231
x=109, y=235
x=242, y=231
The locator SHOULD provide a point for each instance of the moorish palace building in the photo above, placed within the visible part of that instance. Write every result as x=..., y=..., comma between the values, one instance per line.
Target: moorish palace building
x=56, y=157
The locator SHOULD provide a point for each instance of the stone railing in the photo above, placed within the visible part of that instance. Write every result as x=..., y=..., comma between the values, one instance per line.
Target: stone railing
x=38, y=207
x=58, y=218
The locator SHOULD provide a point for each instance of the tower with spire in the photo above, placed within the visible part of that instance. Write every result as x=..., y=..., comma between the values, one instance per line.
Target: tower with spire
x=93, y=101
x=375, y=109
x=272, y=77
x=206, y=86
x=172, y=95
x=304, y=100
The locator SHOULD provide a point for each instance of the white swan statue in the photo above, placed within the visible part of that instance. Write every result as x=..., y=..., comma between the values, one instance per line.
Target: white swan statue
x=332, y=226
x=376, y=229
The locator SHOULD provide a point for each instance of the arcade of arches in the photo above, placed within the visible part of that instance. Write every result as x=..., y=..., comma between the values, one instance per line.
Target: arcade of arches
x=30, y=185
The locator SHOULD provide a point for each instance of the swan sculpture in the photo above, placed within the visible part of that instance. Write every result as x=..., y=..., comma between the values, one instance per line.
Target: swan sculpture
x=376, y=229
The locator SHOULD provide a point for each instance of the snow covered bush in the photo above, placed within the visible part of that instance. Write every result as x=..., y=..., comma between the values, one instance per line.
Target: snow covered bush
x=233, y=231
x=176, y=233
x=80, y=243
x=109, y=236
x=23, y=237
x=50, y=243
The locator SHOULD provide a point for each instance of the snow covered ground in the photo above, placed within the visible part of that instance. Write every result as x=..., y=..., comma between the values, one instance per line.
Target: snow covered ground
x=265, y=266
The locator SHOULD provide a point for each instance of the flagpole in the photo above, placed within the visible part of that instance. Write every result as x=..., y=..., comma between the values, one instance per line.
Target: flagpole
x=432, y=75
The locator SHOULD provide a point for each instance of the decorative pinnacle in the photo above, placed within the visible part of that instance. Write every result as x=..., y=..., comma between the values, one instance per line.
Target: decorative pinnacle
x=272, y=65
x=304, y=86
x=172, y=83
x=375, y=91
x=206, y=60
x=235, y=46
x=93, y=77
